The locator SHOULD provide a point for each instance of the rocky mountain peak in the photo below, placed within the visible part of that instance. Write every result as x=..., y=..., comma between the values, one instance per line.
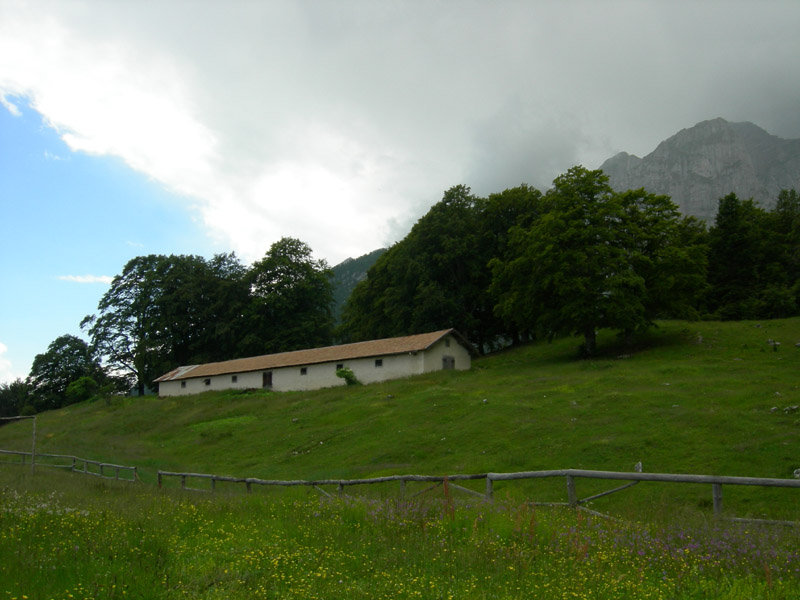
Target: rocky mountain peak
x=699, y=165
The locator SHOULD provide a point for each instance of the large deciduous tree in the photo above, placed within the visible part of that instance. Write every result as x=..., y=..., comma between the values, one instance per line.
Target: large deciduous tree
x=596, y=259
x=166, y=311
x=15, y=398
x=126, y=331
x=68, y=358
x=291, y=300
x=433, y=279
x=572, y=270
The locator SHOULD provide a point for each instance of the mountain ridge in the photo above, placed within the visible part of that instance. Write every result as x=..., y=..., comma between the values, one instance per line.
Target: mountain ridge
x=699, y=165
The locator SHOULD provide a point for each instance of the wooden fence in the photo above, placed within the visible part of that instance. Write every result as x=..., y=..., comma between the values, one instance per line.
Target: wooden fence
x=75, y=464
x=570, y=476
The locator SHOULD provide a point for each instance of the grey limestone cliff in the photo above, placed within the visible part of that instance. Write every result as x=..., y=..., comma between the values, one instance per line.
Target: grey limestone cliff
x=698, y=166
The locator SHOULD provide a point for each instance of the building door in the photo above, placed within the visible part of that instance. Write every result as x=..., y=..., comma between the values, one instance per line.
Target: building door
x=448, y=363
x=267, y=379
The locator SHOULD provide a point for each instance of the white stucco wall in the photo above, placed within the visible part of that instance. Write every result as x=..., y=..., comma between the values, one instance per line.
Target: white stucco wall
x=323, y=375
x=435, y=354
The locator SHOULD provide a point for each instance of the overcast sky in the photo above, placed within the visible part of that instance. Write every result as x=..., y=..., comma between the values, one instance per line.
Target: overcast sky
x=194, y=127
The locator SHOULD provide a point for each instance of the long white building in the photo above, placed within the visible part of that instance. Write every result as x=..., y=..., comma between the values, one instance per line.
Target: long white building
x=376, y=360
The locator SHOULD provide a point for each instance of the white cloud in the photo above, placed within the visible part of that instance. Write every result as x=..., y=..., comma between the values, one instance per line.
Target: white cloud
x=7, y=373
x=87, y=278
x=340, y=124
x=10, y=106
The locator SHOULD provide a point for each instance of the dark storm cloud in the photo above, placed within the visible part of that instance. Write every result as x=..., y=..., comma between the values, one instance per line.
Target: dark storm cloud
x=375, y=108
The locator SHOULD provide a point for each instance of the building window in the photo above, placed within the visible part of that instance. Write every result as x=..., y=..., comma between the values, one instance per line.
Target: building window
x=234, y=378
x=378, y=362
x=447, y=342
x=303, y=371
x=339, y=366
x=207, y=381
x=183, y=384
x=448, y=363
x=266, y=381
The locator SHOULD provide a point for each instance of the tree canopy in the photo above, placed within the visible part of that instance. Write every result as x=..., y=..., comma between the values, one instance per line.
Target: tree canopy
x=437, y=277
x=67, y=359
x=166, y=311
x=754, y=259
x=291, y=300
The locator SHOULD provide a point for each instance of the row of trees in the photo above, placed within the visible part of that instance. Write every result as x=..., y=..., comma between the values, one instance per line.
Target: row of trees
x=578, y=258
x=520, y=264
x=503, y=269
x=165, y=311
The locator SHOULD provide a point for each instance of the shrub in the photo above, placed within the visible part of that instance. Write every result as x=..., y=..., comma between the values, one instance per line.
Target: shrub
x=81, y=389
x=348, y=376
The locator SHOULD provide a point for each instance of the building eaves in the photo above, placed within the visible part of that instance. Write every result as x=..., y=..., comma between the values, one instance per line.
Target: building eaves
x=384, y=347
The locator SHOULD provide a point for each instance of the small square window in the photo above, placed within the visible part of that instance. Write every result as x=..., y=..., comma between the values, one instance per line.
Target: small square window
x=447, y=342
x=303, y=371
x=183, y=384
x=378, y=362
x=234, y=378
x=207, y=381
x=339, y=366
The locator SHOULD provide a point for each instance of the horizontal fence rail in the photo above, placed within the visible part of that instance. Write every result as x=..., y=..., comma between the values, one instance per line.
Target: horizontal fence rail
x=76, y=465
x=570, y=476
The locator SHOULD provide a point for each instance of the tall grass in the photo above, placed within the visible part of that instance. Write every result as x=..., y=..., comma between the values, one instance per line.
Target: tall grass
x=66, y=537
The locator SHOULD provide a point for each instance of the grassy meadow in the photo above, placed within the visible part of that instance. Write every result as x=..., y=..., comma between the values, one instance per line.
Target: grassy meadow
x=101, y=539
x=690, y=397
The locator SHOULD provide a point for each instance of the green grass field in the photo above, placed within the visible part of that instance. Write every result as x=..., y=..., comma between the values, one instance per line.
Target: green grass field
x=700, y=397
x=96, y=539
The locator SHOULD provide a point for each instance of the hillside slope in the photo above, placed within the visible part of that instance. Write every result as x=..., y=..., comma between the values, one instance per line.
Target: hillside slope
x=707, y=397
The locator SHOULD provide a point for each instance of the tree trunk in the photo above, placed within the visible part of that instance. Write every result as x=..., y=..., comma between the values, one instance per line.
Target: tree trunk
x=590, y=341
x=628, y=337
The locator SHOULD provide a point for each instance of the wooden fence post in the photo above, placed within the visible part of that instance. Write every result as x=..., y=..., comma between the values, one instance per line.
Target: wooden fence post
x=249, y=489
x=340, y=488
x=402, y=487
x=183, y=482
x=159, y=480
x=716, y=492
x=33, y=449
x=489, y=487
x=213, y=485
x=572, y=497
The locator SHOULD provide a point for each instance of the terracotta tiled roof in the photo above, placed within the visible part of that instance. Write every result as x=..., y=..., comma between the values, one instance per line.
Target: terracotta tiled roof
x=398, y=345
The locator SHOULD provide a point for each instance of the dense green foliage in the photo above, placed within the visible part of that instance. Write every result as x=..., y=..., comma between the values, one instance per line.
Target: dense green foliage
x=437, y=276
x=167, y=311
x=754, y=259
x=68, y=360
x=577, y=259
x=290, y=301
x=518, y=264
x=14, y=397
